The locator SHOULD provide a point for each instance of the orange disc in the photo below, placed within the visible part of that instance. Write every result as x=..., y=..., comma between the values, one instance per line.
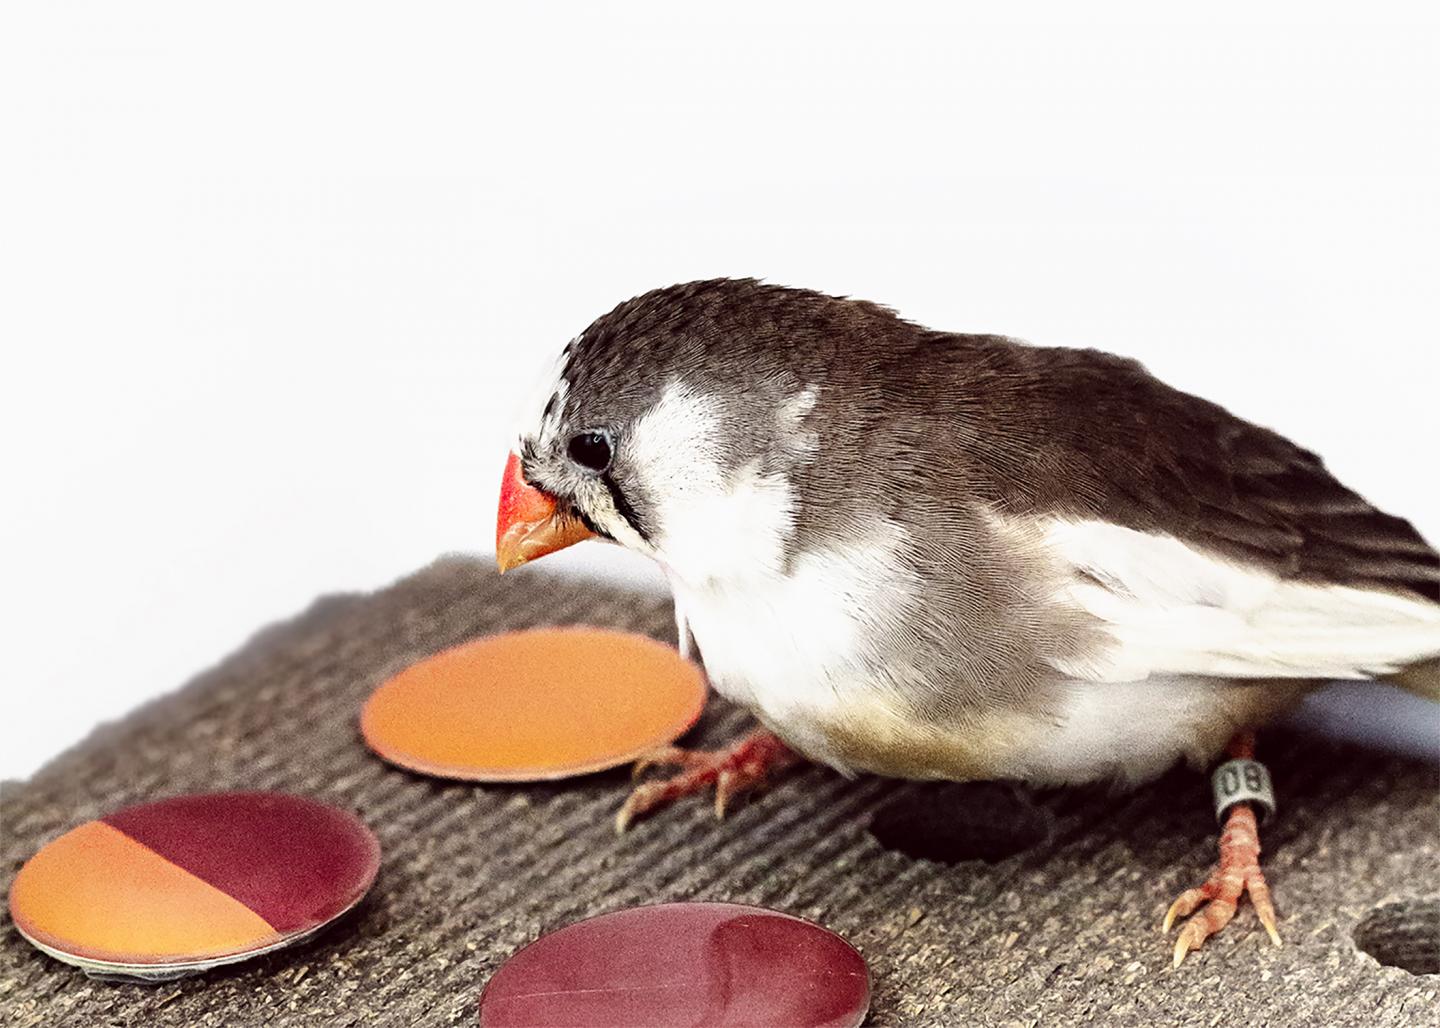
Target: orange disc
x=531, y=706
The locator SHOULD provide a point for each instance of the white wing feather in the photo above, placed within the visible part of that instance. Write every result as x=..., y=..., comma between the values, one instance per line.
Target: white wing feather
x=1174, y=609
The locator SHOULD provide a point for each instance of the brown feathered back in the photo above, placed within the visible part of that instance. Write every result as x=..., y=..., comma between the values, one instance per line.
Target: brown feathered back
x=1027, y=429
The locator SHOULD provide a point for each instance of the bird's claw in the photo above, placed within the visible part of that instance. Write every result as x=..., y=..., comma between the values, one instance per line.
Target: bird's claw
x=665, y=756
x=1238, y=874
x=741, y=768
x=674, y=756
x=725, y=789
x=640, y=801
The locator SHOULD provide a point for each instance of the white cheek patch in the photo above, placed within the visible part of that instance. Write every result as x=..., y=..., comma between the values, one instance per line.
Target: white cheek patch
x=709, y=525
x=677, y=437
x=703, y=523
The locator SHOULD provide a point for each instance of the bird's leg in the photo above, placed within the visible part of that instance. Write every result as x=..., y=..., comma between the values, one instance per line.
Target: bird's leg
x=1238, y=872
x=741, y=767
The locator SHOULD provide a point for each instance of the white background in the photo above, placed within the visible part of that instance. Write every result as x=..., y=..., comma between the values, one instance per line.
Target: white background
x=272, y=276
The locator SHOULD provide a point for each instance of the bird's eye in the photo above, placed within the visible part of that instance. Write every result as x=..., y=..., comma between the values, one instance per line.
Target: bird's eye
x=591, y=450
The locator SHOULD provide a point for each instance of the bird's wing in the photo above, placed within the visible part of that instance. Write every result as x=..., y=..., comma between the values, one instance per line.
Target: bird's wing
x=1173, y=608
x=1204, y=543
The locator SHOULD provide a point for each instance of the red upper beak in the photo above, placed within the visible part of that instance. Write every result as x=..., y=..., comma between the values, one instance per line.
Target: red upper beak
x=530, y=523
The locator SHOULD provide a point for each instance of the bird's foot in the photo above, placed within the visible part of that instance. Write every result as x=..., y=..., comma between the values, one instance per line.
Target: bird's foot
x=1238, y=872
x=742, y=767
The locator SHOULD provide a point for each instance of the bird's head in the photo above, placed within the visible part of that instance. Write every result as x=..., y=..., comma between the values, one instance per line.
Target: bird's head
x=671, y=426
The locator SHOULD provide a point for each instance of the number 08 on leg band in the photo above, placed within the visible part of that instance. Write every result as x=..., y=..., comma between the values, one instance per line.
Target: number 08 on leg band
x=1242, y=781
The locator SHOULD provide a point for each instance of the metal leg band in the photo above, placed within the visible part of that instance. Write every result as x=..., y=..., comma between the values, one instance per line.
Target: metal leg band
x=1242, y=781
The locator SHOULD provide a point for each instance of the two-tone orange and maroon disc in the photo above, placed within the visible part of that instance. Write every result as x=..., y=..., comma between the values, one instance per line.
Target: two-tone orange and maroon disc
x=170, y=888
x=534, y=705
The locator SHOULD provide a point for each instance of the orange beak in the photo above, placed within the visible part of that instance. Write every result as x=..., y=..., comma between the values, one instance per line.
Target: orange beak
x=530, y=523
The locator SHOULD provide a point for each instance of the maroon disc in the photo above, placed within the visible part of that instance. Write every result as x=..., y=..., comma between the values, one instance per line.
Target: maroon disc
x=678, y=964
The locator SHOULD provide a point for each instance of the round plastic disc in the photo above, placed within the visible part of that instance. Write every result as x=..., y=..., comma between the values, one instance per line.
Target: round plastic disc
x=166, y=889
x=535, y=705
x=682, y=964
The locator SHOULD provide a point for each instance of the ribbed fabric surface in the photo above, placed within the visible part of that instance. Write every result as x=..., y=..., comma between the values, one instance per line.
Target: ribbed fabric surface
x=1064, y=933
